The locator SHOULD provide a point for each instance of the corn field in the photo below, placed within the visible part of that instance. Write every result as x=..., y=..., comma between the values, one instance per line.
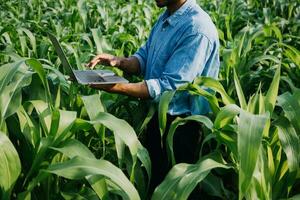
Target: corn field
x=61, y=140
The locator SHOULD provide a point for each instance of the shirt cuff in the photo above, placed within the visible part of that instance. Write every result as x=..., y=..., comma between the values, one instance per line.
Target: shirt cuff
x=141, y=61
x=153, y=88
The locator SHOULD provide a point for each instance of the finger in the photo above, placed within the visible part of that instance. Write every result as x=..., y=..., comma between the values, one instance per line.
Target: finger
x=93, y=61
x=93, y=65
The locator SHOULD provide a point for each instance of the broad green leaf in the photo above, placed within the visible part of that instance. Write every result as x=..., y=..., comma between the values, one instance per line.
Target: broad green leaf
x=11, y=97
x=239, y=91
x=250, y=131
x=183, y=178
x=147, y=119
x=38, y=68
x=290, y=142
x=7, y=83
x=41, y=155
x=44, y=114
x=83, y=11
x=72, y=148
x=10, y=166
x=124, y=134
x=225, y=115
x=97, y=40
x=86, y=194
x=197, y=90
x=93, y=106
x=215, y=85
x=163, y=108
x=261, y=184
x=262, y=58
x=270, y=99
x=78, y=168
x=31, y=37
x=290, y=104
x=66, y=121
x=28, y=127
x=179, y=122
x=127, y=135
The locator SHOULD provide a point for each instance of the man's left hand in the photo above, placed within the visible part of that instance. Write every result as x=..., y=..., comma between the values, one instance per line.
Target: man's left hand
x=105, y=87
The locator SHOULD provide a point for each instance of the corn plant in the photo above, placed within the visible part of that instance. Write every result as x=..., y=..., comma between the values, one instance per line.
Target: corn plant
x=60, y=140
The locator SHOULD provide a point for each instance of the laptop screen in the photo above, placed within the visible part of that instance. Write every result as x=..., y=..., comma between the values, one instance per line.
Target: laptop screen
x=61, y=55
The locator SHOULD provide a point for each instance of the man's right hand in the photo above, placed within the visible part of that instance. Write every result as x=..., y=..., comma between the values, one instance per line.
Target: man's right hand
x=105, y=59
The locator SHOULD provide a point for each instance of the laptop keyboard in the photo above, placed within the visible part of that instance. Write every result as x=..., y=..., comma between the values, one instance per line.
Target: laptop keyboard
x=88, y=76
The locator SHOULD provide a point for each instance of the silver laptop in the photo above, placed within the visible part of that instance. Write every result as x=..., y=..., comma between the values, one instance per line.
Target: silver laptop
x=85, y=77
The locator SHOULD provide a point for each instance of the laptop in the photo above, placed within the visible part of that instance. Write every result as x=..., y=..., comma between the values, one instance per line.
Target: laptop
x=85, y=77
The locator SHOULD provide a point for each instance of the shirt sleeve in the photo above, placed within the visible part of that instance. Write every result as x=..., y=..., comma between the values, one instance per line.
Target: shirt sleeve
x=187, y=61
x=142, y=55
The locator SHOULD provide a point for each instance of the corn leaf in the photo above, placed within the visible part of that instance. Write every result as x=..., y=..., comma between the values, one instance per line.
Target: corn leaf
x=163, y=107
x=125, y=134
x=183, y=178
x=179, y=122
x=250, y=131
x=215, y=85
x=11, y=97
x=225, y=115
x=10, y=166
x=290, y=143
x=290, y=104
x=72, y=148
x=78, y=168
x=270, y=99
x=239, y=91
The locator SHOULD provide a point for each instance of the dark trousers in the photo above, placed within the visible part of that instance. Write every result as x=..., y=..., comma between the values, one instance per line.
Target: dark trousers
x=187, y=140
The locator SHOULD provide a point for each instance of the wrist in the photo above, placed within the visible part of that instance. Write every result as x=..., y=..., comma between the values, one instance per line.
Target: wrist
x=122, y=63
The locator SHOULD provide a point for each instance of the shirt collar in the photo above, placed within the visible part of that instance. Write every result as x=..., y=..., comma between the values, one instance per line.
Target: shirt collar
x=174, y=18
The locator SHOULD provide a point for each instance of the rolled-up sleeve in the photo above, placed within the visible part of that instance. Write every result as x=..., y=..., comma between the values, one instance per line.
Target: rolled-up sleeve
x=184, y=65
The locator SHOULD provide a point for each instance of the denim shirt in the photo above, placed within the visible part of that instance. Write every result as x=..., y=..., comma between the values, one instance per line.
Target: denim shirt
x=181, y=47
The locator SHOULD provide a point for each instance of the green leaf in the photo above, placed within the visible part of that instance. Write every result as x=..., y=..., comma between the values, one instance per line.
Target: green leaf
x=225, y=115
x=31, y=38
x=92, y=112
x=183, y=178
x=10, y=166
x=239, y=91
x=72, y=148
x=11, y=97
x=290, y=104
x=250, y=131
x=78, y=168
x=195, y=89
x=37, y=66
x=179, y=122
x=83, y=11
x=163, y=108
x=272, y=94
x=125, y=135
x=216, y=86
x=290, y=143
x=28, y=127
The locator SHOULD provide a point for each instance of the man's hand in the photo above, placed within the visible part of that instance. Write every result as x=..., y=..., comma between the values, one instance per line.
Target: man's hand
x=105, y=59
x=105, y=87
x=129, y=65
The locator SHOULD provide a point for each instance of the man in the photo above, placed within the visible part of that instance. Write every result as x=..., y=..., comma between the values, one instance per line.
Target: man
x=182, y=45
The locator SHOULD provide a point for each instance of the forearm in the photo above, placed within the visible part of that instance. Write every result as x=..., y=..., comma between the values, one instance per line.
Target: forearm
x=130, y=65
x=138, y=90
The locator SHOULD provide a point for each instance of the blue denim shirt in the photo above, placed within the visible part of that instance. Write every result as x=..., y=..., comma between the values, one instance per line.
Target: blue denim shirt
x=181, y=47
